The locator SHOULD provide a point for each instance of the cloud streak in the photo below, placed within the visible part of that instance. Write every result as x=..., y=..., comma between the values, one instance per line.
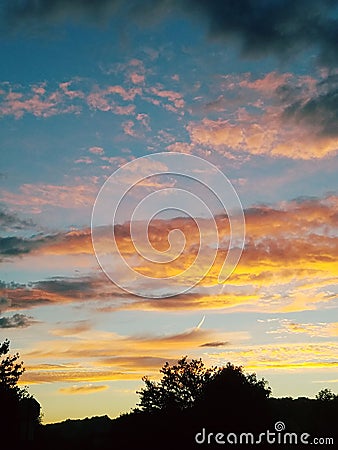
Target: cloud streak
x=287, y=326
x=85, y=389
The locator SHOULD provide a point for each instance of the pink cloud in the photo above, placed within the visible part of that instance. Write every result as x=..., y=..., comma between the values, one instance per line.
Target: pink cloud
x=128, y=128
x=84, y=160
x=267, y=84
x=38, y=195
x=70, y=93
x=39, y=89
x=13, y=105
x=41, y=102
x=126, y=94
x=174, y=97
x=113, y=161
x=144, y=120
x=123, y=110
x=101, y=99
x=96, y=150
x=36, y=101
x=136, y=62
x=136, y=78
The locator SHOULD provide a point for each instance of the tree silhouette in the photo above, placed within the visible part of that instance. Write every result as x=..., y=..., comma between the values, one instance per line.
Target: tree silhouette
x=181, y=385
x=19, y=411
x=326, y=395
x=235, y=397
x=10, y=371
x=232, y=383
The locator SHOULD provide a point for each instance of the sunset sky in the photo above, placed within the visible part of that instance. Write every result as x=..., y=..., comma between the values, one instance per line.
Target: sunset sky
x=249, y=86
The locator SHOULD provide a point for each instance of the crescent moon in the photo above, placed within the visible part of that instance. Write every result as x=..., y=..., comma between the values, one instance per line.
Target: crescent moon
x=201, y=323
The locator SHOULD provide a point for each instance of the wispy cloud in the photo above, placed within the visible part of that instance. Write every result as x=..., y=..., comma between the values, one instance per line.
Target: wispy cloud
x=10, y=222
x=83, y=389
x=109, y=356
x=73, y=328
x=286, y=356
x=322, y=329
x=16, y=246
x=133, y=356
x=35, y=196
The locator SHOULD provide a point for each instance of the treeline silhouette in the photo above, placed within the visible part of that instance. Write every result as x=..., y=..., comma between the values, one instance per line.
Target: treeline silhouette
x=190, y=407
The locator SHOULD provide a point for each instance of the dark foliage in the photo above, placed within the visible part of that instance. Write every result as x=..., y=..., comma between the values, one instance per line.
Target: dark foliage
x=179, y=388
x=19, y=411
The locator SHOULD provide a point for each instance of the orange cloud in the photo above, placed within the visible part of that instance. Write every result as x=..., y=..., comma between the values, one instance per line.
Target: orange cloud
x=288, y=262
x=95, y=344
x=84, y=375
x=83, y=389
x=134, y=355
x=72, y=329
x=267, y=134
x=279, y=115
x=92, y=360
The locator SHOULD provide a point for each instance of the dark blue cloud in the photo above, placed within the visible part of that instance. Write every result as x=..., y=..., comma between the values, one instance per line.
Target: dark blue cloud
x=262, y=27
x=16, y=321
